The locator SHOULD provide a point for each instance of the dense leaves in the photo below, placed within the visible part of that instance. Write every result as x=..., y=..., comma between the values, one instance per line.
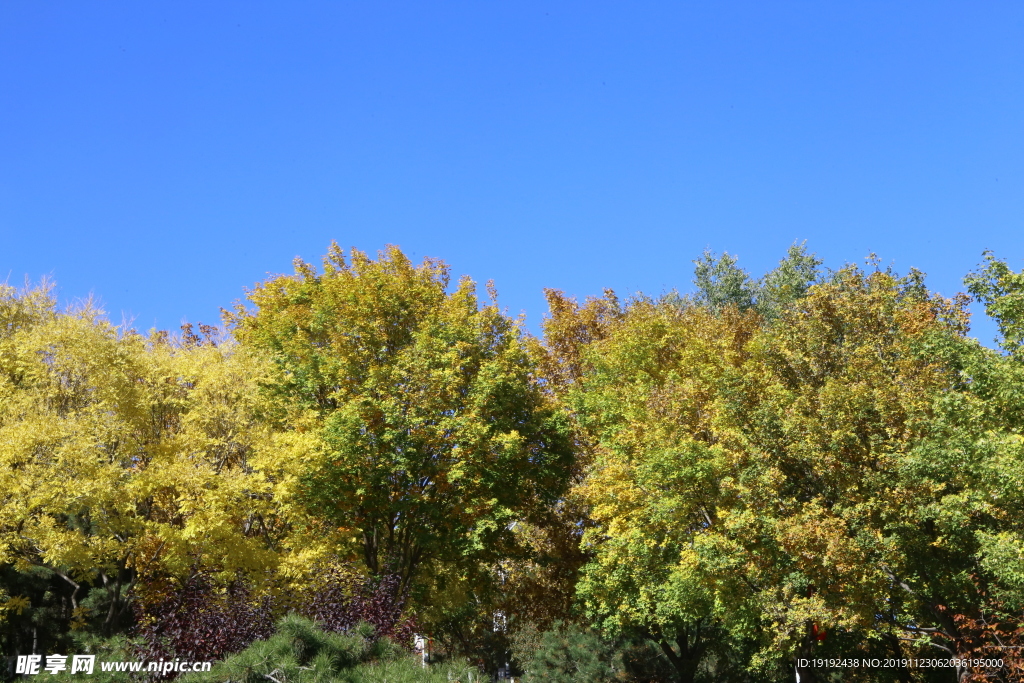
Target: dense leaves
x=568, y=654
x=342, y=599
x=726, y=485
x=196, y=622
x=431, y=436
x=123, y=457
x=301, y=652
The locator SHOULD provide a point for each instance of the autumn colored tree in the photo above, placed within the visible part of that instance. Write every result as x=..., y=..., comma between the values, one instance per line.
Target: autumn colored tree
x=807, y=464
x=846, y=454
x=656, y=483
x=818, y=480
x=642, y=382
x=428, y=433
x=538, y=580
x=123, y=456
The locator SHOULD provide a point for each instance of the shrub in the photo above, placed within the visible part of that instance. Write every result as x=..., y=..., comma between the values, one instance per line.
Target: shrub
x=300, y=652
x=192, y=621
x=569, y=653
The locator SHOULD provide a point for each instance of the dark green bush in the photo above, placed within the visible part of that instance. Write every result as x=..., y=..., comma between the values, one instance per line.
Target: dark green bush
x=299, y=652
x=568, y=653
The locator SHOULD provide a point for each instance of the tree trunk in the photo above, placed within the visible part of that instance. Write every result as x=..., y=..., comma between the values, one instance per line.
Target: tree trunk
x=805, y=653
x=691, y=651
x=902, y=673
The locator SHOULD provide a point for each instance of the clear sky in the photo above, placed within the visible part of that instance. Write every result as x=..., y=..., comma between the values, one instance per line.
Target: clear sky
x=165, y=155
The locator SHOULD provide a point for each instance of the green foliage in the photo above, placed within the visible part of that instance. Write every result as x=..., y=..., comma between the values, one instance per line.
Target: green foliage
x=721, y=282
x=692, y=489
x=299, y=652
x=755, y=482
x=431, y=433
x=1002, y=292
x=648, y=403
x=570, y=654
x=569, y=651
x=788, y=282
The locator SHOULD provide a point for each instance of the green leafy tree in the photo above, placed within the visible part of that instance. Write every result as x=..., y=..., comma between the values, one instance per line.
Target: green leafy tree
x=1002, y=292
x=721, y=283
x=837, y=481
x=430, y=433
x=655, y=488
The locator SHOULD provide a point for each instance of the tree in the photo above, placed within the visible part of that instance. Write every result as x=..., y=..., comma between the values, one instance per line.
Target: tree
x=843, y=461
x=431, y=434
x=837, y=479
x=122, y=456
x=1002, y=292
x=721, y=283
x=655, y=488
x=569, y=654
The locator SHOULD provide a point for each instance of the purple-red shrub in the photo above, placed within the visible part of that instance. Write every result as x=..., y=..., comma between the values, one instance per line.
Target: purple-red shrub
x=342, y=600
x=194, y=621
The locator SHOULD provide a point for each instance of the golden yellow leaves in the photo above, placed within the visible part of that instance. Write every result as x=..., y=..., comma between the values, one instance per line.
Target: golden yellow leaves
x=14, y=605
x=118, y=451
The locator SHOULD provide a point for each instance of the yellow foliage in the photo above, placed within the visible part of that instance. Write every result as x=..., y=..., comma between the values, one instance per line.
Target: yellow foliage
x=759, y=472
x=14, y=605
x=126, y=455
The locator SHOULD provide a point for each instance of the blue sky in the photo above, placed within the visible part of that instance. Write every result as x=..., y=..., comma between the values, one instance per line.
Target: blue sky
x=165, y=155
